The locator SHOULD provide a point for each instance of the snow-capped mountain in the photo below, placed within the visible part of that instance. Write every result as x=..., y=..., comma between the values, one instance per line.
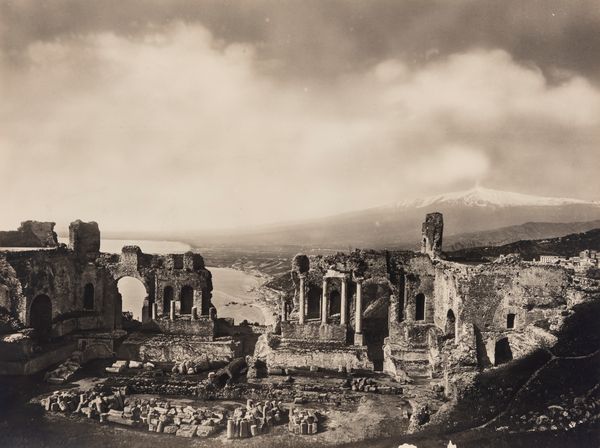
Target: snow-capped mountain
x=476, y=212
x=484, y=197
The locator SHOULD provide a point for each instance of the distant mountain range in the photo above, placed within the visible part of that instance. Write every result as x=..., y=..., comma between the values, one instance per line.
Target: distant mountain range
x=476, y=217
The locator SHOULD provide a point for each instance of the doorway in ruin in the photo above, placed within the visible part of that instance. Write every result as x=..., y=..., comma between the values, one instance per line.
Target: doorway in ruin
x=502, y=352
x=450, y=329
x=335, y=302
x=40, y=316
x=88, y=297
x=167, y=299
x=313, y=303
x=133, y=292
x=187, y=300
x=510, y=320
x=420, y=307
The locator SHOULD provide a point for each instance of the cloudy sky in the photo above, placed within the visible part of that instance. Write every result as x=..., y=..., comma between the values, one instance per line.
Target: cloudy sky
x=178, y=115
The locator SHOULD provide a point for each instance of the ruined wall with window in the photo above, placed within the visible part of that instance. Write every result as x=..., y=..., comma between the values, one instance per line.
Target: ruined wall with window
x=47, y=294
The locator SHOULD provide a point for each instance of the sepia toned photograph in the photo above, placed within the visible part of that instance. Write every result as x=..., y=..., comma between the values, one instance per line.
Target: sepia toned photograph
x=300, y=223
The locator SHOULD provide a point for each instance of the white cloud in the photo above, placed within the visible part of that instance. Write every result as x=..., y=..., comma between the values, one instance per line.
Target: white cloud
x=179, y=131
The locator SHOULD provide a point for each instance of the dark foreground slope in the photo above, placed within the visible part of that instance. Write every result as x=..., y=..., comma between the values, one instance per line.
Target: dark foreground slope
x=550, y=398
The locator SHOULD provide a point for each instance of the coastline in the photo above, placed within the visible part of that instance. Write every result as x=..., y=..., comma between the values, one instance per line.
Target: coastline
x=236, y=292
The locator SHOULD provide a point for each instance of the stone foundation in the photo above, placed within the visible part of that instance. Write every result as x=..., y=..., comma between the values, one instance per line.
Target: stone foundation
x=291, y=354
x=176, y=348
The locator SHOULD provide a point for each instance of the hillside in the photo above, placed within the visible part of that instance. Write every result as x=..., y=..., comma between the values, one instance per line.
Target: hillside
x=511, y=234
x=568, y=245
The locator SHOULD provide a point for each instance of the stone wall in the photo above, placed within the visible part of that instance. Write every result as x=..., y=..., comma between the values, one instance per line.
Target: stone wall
x=61, y=278
x=84, y=237
x=204, y=327
x=177, y=348
x=30, y=234
x=315, y=331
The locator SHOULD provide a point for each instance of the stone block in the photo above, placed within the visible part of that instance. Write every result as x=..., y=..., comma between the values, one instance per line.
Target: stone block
x=187, y=431
x=206, y=431
x=170, y=429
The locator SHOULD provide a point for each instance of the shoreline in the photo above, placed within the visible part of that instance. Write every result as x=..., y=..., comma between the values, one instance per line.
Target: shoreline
x=241, y=293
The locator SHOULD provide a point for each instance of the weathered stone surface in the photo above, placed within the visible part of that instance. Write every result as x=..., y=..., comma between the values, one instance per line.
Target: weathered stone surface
x=30, y=234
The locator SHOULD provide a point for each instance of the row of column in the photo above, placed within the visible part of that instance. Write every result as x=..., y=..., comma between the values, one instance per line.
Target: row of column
x=172, y=314
x=358, y=336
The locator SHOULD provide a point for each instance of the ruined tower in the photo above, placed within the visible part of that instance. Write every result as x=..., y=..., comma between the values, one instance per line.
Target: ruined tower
x=431, y=234
x=84, y=237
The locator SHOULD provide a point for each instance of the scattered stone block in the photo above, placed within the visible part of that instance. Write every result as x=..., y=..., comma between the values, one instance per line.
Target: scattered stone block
x=187, y=431
x=170, y=429
x=206, y=431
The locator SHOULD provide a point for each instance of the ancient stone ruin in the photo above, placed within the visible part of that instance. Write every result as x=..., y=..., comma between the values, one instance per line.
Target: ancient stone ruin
x=408, y=315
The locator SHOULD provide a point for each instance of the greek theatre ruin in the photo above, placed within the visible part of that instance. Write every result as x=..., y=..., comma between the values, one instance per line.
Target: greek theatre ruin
x=408, y=314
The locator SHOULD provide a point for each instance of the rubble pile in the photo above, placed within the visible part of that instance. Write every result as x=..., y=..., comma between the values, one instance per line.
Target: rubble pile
x=199, y=365
x=157, y=416
x=303, y=421
x=560, y=418
x=121, y=366
x=369, y=385
x=254, y=419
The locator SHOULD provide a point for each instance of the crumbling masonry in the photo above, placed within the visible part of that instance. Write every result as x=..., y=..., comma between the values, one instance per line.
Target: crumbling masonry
x=405, y=313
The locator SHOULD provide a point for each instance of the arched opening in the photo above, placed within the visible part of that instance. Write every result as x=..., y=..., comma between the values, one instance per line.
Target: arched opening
x=502, y=352
x=450, y=324
x=133, y=293
x=313, y=305
x=510, y=320
x=88, y=297
x=167, y=299
x=420, y=307
x=335, y=302
x=40, y=316
x=187, y=300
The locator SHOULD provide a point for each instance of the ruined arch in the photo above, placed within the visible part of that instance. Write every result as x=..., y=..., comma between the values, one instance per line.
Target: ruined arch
x=450, y=329
x=133, y=294
x=167, y=299
x=502, y=351
x=420, y=306
x=40, y=316
x=187, y=299
x=88, y=296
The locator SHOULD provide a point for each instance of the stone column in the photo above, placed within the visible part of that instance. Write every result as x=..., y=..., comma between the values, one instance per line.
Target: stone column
x=358, y=336
x=172, y=310
x=344, y=304
x=154, y=311
x=301, y=302
x=146, y=310
x=284, y=314
x=194, y=313
x=197, y=302
x=324, y=302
